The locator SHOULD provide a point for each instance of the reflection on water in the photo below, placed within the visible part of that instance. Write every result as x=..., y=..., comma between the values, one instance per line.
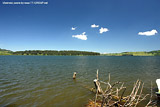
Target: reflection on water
x=47, y=80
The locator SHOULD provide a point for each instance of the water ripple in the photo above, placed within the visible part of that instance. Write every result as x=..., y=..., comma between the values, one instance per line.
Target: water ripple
x=47, y=80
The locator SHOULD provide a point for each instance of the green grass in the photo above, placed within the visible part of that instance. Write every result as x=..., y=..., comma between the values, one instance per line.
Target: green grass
x=133, y=54
x=5, y=53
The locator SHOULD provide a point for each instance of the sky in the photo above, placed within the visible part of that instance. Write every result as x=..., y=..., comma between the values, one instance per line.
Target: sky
x=105, y=26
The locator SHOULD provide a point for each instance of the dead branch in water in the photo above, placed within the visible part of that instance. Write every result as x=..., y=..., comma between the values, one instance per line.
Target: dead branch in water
x=111, y=96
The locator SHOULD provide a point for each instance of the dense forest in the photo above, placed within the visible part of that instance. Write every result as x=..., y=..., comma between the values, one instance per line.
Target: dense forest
x=47, y=52
x=54, y=52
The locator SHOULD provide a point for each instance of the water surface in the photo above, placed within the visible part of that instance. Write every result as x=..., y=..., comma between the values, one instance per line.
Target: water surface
x=47, y=80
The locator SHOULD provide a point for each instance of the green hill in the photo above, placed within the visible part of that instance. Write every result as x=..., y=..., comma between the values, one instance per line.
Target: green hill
x=142, y=53
x=54, y=52
x=5, y=52
x=48, y=52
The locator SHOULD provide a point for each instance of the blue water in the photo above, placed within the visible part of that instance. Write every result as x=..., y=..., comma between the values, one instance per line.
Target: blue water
x=47, y=80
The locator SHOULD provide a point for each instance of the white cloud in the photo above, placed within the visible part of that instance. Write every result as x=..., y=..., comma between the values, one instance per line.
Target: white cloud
x=73, y=28
x=81, y=36
x=94, y=26
x=148, y=33
x=101, y=30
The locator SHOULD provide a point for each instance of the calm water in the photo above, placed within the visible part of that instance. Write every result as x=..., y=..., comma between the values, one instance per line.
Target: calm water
x=47, y=80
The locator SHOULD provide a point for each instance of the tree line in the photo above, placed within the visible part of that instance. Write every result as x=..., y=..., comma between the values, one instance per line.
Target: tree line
x=78, y=53
x=54, y=52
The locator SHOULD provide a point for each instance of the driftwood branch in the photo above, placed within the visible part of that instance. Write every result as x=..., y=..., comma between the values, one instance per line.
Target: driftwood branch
x=113, y=95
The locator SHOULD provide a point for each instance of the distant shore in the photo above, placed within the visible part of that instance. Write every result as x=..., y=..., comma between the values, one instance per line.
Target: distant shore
x=76, y=53
x=49, y=52
x=133, y=54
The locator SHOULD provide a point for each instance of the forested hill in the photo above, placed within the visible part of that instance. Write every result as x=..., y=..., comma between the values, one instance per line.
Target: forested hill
x=78, y=53
x=47, y=52
x=54, y=52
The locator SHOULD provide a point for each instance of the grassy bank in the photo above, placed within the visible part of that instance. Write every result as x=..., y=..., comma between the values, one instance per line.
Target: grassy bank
x=143, y=53
x=5, y=52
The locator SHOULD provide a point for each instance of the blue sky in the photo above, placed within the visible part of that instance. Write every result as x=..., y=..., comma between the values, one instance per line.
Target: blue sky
x=128, y=25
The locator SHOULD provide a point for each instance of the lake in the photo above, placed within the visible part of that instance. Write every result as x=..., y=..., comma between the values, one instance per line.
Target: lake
x=47, y=80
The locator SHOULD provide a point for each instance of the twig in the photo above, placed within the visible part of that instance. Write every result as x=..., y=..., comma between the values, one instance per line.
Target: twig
x=122, y=94
x=97, y=75
x=96, y=97
x=111, y=94
x=139, y=95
